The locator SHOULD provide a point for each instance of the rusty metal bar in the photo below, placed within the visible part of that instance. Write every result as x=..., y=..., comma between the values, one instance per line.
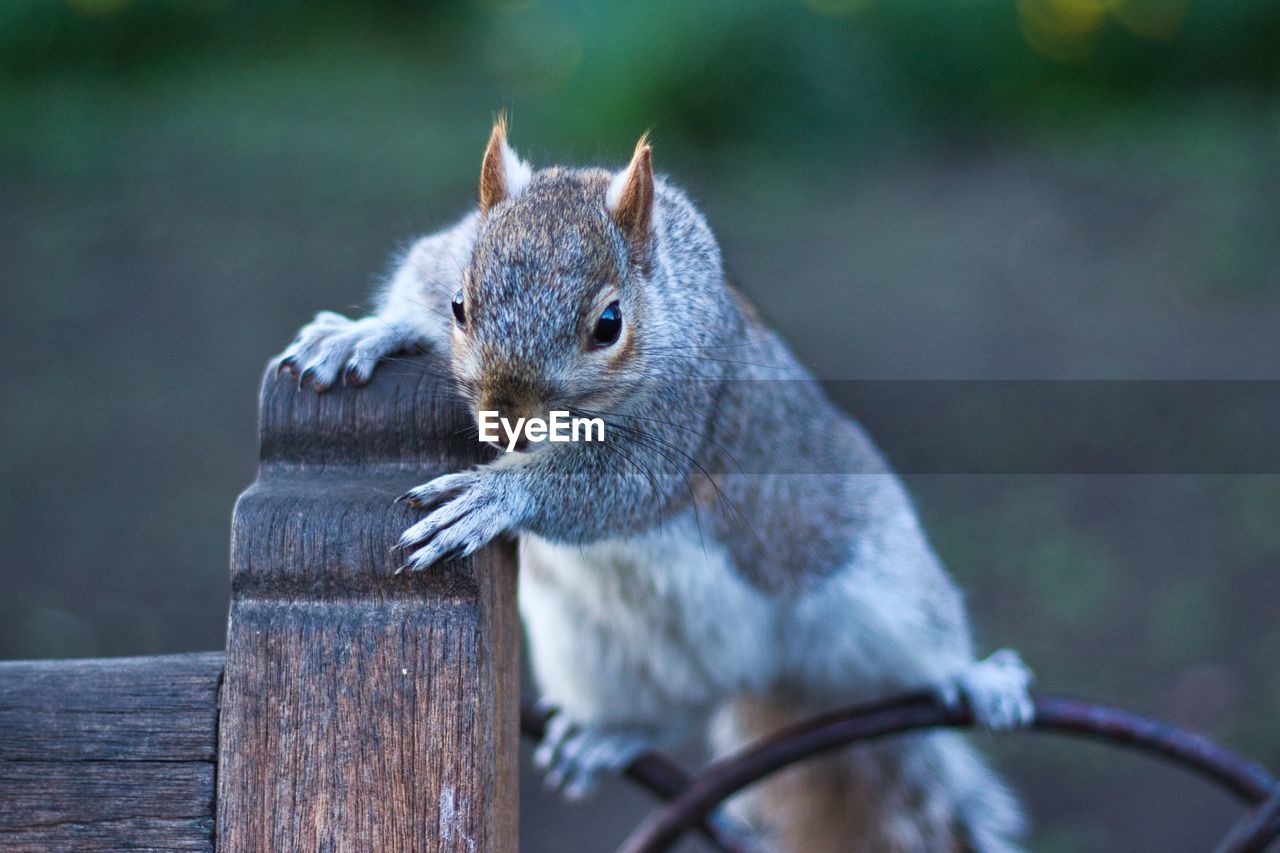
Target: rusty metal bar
x=1256, y=831
x=723, y=778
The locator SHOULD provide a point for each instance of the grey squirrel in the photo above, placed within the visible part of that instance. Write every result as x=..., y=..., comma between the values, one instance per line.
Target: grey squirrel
x=735, y=555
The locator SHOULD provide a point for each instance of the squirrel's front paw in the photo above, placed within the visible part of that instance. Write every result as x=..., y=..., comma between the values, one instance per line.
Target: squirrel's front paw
x=332, y=345
x=574, y=758
x=467, y=511
x=996, y=691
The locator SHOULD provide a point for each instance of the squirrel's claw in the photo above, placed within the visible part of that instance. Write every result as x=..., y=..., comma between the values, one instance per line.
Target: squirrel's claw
x=441, y=488
x=333, y=348
x=466, y=513
x=574, y=758
x=357, y=375
x=996, y=691
x=285, y=363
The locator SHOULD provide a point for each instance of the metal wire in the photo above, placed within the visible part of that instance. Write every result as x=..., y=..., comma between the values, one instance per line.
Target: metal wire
x=1254, y=832
x=721, y=779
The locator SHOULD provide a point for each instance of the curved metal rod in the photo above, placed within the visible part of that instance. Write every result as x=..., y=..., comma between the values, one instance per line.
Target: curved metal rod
x=1248, y=780
x=1254, y=832
x=723, y=778
x=654, y=772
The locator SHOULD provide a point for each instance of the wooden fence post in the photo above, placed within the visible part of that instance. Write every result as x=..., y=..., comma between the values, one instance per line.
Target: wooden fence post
x=362, y=710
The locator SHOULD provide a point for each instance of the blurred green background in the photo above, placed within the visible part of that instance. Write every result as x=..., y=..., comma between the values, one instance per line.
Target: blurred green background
x=908, y=188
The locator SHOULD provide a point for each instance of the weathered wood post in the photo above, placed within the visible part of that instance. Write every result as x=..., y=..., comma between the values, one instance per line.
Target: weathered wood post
x=363, y=710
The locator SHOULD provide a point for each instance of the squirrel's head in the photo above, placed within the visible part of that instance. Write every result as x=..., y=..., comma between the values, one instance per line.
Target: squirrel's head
x=550, y=314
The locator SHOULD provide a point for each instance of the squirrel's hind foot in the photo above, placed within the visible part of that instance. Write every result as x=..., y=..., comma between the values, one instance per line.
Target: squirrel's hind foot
x=574, y=758
x=996, y=691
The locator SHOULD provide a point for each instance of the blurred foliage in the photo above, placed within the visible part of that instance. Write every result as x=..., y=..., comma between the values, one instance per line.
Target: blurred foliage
x=819, y=64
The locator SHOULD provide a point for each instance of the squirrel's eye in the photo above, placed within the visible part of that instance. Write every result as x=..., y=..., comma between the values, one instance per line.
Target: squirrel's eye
x=459, y=313
x=608, y=327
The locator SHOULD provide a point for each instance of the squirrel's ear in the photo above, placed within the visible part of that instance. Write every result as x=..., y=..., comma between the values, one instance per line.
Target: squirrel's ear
x=630, y=195
x=503, y=174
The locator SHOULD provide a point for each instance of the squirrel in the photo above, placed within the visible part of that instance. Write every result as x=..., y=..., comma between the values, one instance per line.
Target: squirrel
x=736, y=555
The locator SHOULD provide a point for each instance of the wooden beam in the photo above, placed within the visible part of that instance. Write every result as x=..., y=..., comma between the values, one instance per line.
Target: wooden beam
x=108, y=754
x=363, y=710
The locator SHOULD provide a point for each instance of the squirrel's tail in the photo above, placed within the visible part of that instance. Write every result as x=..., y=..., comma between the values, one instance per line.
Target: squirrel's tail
x=916, y=793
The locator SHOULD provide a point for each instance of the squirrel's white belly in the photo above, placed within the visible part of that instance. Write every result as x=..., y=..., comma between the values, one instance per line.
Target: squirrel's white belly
x=637, y=628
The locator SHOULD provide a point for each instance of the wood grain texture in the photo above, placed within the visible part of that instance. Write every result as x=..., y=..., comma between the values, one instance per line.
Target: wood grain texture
x=108, y=754
x=363, y=710
x=137, y=709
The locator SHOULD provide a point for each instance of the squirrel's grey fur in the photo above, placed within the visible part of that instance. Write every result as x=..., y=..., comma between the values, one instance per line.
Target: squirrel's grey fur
x=735, y=555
